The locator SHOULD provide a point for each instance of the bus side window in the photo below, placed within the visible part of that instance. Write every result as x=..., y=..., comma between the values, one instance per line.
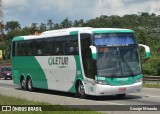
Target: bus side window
x=39, y=51
x=15, y=49
x=21, y=48
x=61, y=45
x=59, y=51
x=73, y=45
x=39, y=45
x=29, y=48
x=71, y=50
x=48, y=50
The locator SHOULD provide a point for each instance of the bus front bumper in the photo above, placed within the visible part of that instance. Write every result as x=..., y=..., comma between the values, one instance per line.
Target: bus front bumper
x=102, y=90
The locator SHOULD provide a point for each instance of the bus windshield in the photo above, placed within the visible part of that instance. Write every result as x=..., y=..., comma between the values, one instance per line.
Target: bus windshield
x=119, y=60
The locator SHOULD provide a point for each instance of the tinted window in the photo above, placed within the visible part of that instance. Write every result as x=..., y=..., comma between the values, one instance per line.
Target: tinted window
x=21, y=48
x=39, y=47
x=63, y=45
x=30, y=50
x=15, y=49
x=72, y=45
x=49, y=47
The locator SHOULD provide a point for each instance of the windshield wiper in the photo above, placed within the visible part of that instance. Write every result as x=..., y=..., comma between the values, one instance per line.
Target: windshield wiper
x=131, y=71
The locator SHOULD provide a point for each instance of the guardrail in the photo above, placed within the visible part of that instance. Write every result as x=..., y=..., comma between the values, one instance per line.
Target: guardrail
x=151, y=79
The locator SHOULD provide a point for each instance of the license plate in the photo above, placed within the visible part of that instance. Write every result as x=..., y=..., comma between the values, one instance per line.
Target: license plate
x=121, y=89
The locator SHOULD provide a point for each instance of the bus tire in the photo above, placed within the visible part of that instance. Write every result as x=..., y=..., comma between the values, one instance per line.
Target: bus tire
x=29, y=84
x=81, y=90
x=121, y=95
x=23, y=84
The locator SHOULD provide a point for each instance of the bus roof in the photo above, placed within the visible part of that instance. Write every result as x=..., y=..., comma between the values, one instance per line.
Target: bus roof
x=71, y=31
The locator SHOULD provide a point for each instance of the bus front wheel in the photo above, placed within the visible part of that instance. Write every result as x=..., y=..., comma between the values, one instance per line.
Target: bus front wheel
x=81, y=90
x=29, y=84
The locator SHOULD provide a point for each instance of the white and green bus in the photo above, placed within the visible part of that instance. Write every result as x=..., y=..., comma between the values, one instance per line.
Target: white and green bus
x=84, y=61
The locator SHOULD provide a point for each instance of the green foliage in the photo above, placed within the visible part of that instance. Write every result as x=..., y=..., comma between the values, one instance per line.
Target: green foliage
x=12, y=25
x=141, y=37
x=152, y=66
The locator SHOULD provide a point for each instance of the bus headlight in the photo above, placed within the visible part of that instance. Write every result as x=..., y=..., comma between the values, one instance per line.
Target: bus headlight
x=138, y=80
x=102, y=82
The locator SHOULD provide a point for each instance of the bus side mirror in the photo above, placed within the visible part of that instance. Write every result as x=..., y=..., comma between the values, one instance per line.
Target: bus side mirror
x=94, y=52
x=147, y=50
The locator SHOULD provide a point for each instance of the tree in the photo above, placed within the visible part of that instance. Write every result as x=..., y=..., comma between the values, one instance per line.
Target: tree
x=57, y=26
x=12, y=25
x=26, y=31
x=81, y=23
x=66, y=23
x=50, y=24
x=141, y=36
x=34, y=27
x=1, y=30
x=42, y=27
x=8, y=39
x=75, y=24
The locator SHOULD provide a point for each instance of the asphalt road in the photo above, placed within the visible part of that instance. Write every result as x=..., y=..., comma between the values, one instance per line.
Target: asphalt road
x=148, y=96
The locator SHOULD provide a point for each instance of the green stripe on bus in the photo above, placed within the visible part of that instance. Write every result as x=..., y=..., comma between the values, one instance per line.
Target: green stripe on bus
x=147, y=55
x=29, y=66
x=78, y=74
x=94, y=55
x=73, y=33
x=19, y=38
x=125, y=80
x=113, y=31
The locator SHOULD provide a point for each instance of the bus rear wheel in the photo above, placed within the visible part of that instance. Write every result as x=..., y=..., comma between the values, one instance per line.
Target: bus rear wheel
x=23, y=84
x=81, y=90
x=29, y=84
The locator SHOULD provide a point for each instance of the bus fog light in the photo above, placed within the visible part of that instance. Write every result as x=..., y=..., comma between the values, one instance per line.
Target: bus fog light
x=102, y=82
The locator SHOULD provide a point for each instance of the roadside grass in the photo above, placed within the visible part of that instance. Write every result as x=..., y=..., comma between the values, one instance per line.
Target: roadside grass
x=57, y=109
x=151, y=85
